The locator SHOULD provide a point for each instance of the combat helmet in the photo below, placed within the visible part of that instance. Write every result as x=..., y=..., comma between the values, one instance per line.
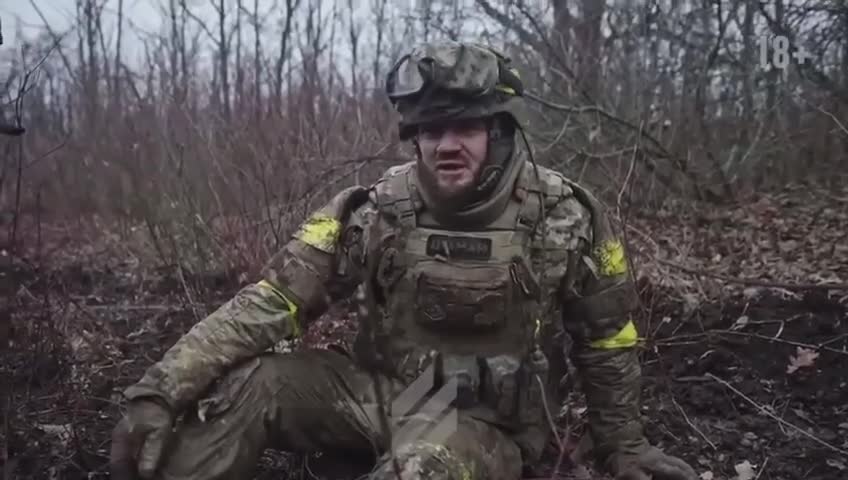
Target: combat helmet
x=449, y=80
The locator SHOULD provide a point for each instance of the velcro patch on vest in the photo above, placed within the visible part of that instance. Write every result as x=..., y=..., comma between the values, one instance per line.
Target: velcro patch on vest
x=469, y=248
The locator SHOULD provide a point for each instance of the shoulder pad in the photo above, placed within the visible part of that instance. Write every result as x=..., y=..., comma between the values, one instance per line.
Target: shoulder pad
x=322, y=228
x=397, y=170
x=393, y=186
x=585, y=197
x=391, y=175
x=554, y=185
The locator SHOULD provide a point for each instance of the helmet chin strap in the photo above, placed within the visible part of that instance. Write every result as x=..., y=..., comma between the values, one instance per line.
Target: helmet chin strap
x=501, y=144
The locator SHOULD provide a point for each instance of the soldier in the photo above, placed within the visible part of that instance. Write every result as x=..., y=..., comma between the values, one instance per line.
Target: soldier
x=479, y=260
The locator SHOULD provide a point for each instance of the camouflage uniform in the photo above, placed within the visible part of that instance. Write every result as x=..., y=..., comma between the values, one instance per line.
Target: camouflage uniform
x=473, y=311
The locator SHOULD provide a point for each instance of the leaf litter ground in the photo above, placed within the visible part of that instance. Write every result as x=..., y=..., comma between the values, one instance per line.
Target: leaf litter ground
x=743, y=379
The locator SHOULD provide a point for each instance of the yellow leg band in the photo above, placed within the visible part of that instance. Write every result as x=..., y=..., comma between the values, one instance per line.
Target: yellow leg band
x=625, y=338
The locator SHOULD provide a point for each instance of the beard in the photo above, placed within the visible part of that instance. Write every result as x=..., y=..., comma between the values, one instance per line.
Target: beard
x=486, y=175
x=445, y=197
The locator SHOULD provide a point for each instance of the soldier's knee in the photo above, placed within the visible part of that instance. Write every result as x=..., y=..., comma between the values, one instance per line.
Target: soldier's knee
x=270, y=366
x=249, y=384
x=254, y=379
x=425, y=461
x=302, y=365
x=273, y=379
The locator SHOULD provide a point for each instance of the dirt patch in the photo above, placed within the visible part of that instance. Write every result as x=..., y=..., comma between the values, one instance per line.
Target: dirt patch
x=81, y=337
x=747, y=390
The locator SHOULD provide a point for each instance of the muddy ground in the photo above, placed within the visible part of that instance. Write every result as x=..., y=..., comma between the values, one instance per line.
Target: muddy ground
x=751, y=383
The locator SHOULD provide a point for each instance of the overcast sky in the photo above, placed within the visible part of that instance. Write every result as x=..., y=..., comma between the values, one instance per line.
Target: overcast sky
x=20, y=16
x=145, y=17
x=61, y=13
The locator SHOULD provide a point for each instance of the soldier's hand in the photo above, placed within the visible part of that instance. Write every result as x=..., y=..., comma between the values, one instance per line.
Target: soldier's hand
x=652, y=464
x=139, y=440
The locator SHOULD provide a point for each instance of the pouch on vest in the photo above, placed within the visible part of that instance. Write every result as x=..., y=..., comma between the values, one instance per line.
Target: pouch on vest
x=534, y=375
x=500, y=384
x=466, y=371
x=457, y=298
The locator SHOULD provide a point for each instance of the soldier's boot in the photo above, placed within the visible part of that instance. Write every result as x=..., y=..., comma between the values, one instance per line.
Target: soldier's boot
x=311, y=400
x=473, y=450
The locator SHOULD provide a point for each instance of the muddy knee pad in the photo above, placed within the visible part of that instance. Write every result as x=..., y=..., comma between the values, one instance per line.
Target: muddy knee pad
x=251, y=385
x=424, y=461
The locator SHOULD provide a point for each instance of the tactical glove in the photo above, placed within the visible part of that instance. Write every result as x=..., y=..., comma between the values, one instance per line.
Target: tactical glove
x=651, y=464
x=140, y=438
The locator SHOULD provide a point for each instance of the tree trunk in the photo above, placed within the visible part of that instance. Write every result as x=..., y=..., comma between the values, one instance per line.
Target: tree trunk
x=224, y=59
x=291, y=6
x=354, y=49
x=587, y=33
x=379, y=9
x=257, y=61
x=117, y=84
x=239, y=100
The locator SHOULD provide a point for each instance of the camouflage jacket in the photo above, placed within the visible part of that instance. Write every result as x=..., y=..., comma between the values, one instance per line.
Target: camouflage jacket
x=325, y=261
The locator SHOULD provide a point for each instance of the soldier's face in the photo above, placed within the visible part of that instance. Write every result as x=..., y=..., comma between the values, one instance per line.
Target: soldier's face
x=453, y=153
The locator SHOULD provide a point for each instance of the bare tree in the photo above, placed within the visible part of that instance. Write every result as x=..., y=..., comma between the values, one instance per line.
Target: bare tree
x=353, y=33
x=117, y=85
x=378, y=8
x=257, y=59
x=89, y=14
x=223, y=56
x=176, y=46
x=239, y=69
x=284, y=53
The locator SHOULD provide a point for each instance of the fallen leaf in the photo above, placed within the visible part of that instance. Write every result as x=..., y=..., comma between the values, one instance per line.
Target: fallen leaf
x=708, y=475
x=740, y=323
x=804, y=357
x=582, y=473
x=802, y=414
x=63, y=433
x=744, y=471
x=593, y=134
x=835, y=464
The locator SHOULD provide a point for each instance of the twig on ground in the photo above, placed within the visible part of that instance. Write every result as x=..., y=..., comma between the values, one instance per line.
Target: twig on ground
x=188, y=294
x=762, y=468
x=136, y=307
x=645, y=237
x=668, y=432
x=8, y=464
x=686, y=417
x=832, y=117
x=308, y=470
x=84, y=309
x=675, y=340
x=833, y=197
x=832, y=340
x=778, y=419
x=560, y=444
x=756, y=283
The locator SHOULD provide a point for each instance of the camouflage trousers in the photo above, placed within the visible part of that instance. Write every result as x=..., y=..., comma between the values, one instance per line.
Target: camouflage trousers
x=320, y=400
